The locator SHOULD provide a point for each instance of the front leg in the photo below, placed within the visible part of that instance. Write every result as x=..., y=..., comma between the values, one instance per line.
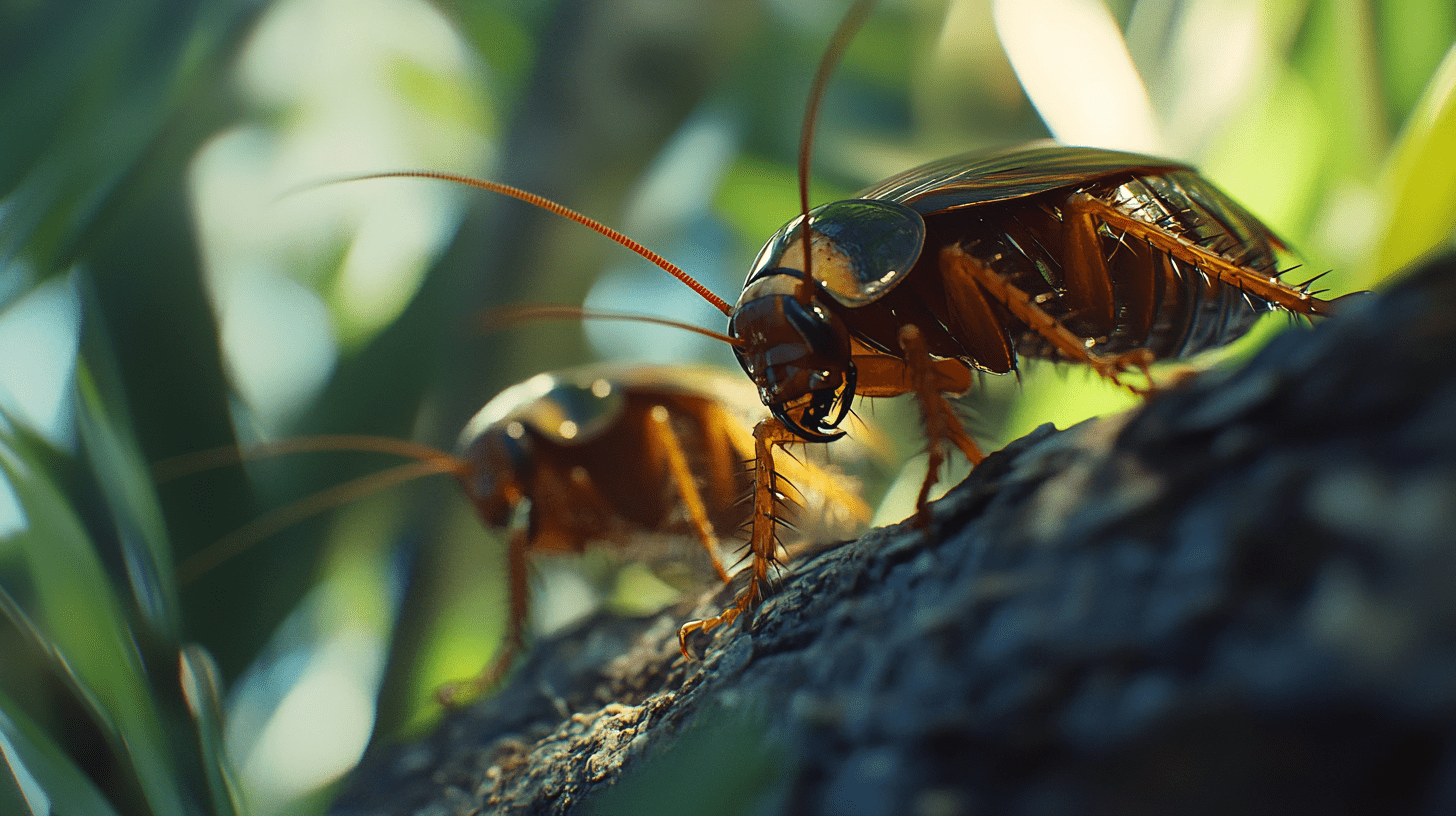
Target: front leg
x=458, y=692
x=763, y=541
x=941, y=423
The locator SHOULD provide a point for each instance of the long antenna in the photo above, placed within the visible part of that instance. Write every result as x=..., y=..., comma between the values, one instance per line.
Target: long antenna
x=837, y=45
x=550, y=206
x=430, y=461
x=508, y=316
x=241, y=539
x=212, y=458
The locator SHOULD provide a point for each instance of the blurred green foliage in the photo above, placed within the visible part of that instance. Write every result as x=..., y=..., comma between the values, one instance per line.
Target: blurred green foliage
x=111, y=674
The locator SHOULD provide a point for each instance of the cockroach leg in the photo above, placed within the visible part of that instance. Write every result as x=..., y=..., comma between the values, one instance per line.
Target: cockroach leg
x=660, y=426
x=459, y=692
x=1261, y=285
x=941, y=424
x=762, y=542
x=1088, y=284
x=958, y=265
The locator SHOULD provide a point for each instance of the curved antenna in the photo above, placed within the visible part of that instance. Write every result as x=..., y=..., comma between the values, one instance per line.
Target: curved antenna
x=552, y=207
x=430, y=461
x=239, y=540
x=837, y=45
x=507, y=316
x=190, y=463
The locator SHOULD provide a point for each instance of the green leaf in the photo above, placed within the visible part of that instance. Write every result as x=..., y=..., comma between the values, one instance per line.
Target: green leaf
x=77, y=619
x=127, y=486
x=42, y=779
x=87, y=89
x=201, y=686
x=1421, y=176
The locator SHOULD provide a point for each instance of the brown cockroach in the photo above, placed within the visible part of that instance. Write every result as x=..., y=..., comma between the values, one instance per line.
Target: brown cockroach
x=567, y=459
x=1108, y=259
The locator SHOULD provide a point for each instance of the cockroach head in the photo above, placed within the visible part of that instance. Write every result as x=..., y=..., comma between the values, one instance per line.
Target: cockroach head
x=498, y=455
x=797, y=354
x=796, y=349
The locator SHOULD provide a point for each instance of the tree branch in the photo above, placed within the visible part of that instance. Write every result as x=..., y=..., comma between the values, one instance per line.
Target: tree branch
x=1237, y=598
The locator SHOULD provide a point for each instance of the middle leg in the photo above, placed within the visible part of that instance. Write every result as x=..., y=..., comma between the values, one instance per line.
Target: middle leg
x=941, y=423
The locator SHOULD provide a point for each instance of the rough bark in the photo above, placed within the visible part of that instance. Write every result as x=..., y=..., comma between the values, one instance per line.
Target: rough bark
x=1237, y=598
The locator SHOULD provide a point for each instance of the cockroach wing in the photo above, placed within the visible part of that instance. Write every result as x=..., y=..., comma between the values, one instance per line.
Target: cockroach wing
x=1222, y=209
x=986, y=176
x=569, y=408
x=730, y=390
x=861, y=248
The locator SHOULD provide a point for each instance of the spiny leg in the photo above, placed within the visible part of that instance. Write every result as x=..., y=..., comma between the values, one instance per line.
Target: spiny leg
x=762, y=542
x=940, y=422
x=458, y=692
x=961, y=266
x=660, y=426
x=1259, y=284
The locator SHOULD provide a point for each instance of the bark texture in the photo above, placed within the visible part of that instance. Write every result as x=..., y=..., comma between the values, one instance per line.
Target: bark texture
x=1239, y=598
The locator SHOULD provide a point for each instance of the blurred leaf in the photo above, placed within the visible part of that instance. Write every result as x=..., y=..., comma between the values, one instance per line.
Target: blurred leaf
x=1071, y=59
x=201, y=686
x=757, y=197
x=42, y=778
x=78, y=620
x=1420, y=179
x=1336, y=56
x=127, y=486
x=1414, y=35
x=87, y=88
x=1280, y=180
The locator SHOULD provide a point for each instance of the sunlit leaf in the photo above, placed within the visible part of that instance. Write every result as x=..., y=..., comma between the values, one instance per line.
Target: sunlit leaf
x=202, y=689
x=78, y=619
x=1071, y=59
x=1421, y=176
x=38, y=776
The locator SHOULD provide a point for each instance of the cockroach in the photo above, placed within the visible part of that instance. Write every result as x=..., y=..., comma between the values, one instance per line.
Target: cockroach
x=1075, y=254
x=567, y=459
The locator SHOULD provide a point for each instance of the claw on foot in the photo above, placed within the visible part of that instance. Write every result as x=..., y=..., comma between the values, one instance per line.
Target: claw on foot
x=692, y=627
x=457, y=693
x=1113, y=367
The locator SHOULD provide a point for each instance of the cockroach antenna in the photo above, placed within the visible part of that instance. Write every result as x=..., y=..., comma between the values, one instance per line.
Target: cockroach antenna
x=545, y=204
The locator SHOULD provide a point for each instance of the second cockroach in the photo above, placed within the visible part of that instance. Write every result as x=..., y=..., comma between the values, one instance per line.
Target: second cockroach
x=567, y=459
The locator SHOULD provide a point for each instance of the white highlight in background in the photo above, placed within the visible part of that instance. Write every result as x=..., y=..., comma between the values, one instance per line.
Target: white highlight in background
x=320, y=726
x=278, y=342
x=39, y=336
x=1070, y=57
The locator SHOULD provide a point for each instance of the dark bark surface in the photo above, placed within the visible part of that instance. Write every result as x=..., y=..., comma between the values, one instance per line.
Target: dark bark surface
x=1239, y=598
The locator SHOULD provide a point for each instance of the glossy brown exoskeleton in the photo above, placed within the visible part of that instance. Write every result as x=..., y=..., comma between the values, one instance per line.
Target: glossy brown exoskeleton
x=1112, y=260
